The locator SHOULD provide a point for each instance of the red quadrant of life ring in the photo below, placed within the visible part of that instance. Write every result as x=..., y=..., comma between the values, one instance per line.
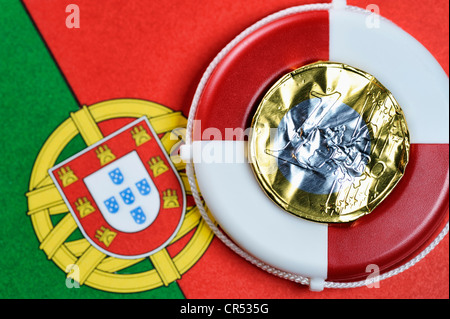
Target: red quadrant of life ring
x=418, y=208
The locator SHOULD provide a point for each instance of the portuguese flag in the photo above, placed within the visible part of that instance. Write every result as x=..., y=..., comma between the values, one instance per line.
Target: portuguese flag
x=114, y=57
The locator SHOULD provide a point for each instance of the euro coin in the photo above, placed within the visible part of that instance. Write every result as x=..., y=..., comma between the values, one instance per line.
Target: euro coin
x=329, y=143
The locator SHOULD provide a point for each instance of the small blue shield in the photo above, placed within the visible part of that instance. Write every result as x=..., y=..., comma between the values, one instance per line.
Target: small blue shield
x=138, y=215
x=112, y=205
x=116, y=176
x=127, y=196
x=143, y=187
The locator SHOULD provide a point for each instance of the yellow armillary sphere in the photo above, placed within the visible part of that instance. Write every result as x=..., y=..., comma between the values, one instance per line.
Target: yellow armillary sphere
x=96, y=269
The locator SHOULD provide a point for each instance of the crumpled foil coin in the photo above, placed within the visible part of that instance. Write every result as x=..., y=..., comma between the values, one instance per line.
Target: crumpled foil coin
x=328, y=143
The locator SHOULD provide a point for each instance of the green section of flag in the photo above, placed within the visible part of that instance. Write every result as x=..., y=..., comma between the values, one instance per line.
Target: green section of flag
x=34, y=100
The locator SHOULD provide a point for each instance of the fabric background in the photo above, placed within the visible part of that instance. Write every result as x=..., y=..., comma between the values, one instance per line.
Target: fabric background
x=157, y=51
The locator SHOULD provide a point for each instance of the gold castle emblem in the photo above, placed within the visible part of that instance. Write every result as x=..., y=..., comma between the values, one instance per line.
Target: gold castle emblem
x=84, y=207
x=67, y=176
x=105, y=235
x=157, y=166
x=104, y=154
x=170, y=199
x=140, y=135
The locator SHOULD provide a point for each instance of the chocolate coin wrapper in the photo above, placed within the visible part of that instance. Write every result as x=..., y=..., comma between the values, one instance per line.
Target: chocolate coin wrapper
x=329, y=142
x=393, y=237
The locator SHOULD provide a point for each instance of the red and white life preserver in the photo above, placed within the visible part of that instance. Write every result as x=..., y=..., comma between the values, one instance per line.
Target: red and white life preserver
x=227, y=96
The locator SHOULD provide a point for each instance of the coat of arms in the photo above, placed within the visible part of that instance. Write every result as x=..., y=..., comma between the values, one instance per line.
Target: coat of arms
x=124, y=192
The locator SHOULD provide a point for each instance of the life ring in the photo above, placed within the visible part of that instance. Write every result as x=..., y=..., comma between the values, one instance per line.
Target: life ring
x=312, y=253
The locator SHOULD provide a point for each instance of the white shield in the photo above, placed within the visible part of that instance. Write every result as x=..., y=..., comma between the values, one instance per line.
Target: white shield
x=125, y=194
